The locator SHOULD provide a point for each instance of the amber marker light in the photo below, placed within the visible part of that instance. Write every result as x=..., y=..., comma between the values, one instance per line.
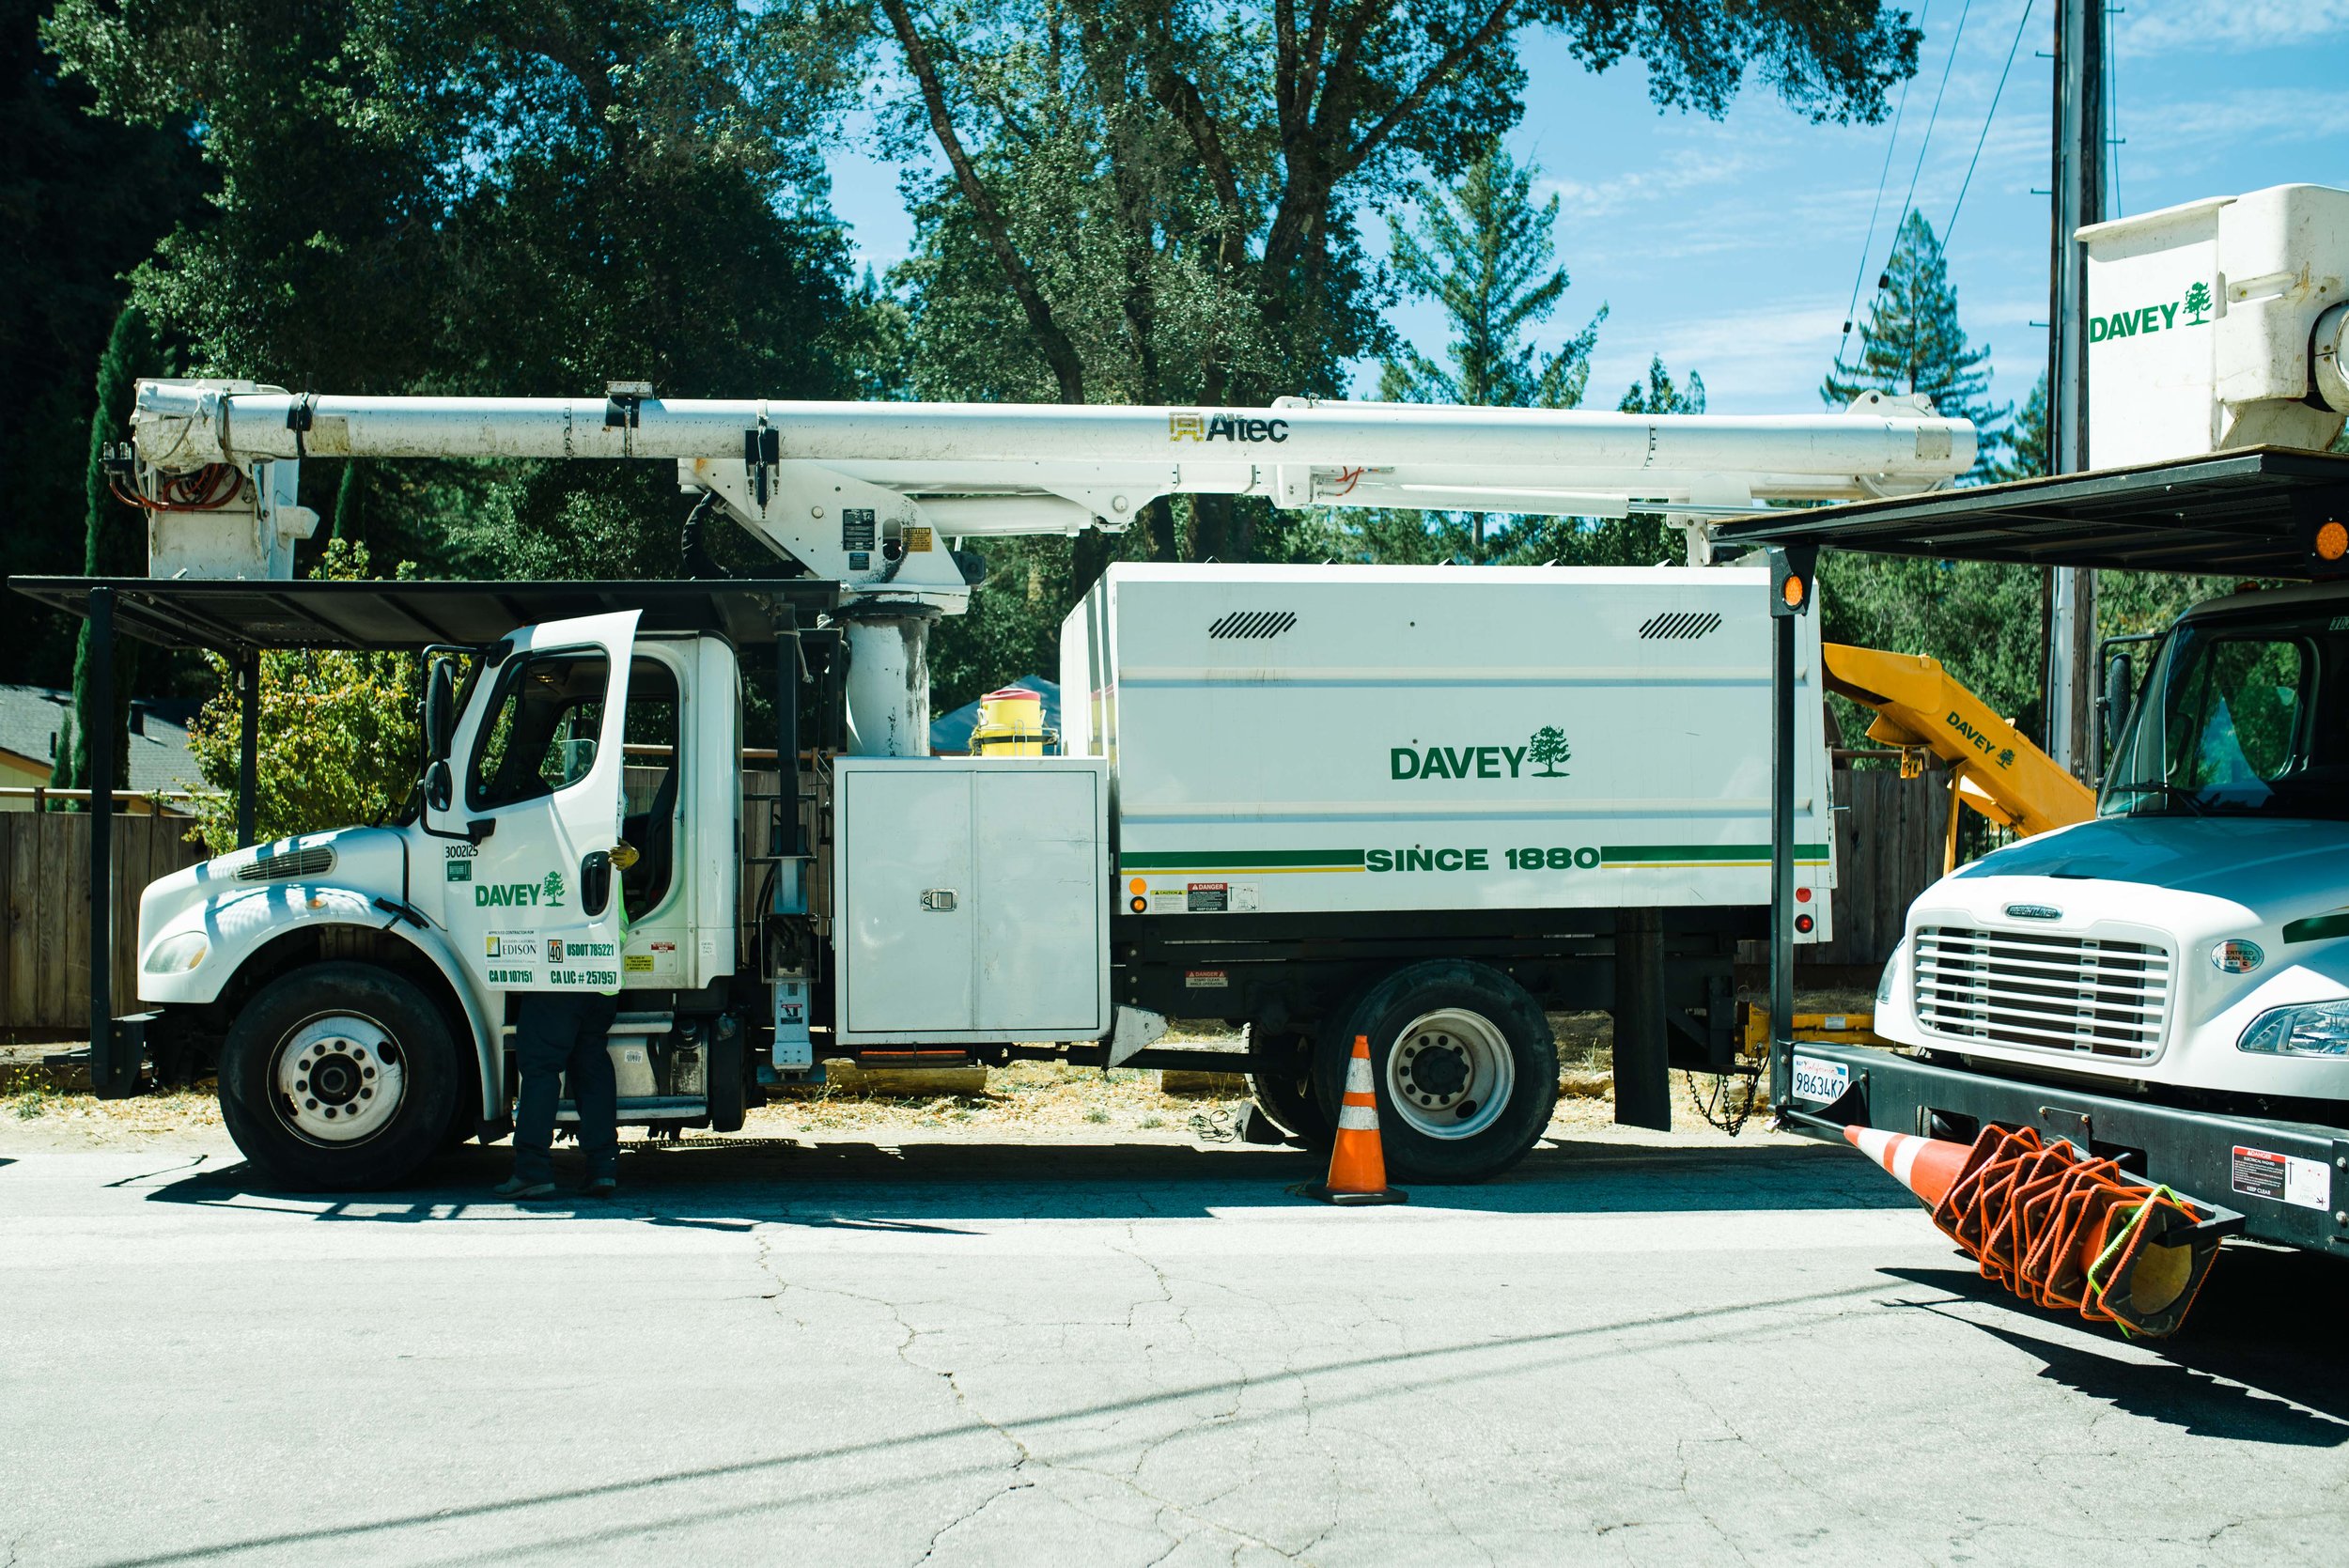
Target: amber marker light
x=2332, y=541
x=1139, y=905
x=1796, y=589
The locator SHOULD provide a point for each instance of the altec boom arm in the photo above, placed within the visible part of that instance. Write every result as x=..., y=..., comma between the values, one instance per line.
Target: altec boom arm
x=827, y=482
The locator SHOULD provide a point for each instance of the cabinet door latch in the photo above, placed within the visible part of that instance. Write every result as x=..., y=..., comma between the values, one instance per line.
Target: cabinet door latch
x=939, y=900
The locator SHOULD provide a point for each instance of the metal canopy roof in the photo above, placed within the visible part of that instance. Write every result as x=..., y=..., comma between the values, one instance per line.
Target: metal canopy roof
x=2249, y=514
x=239, y=614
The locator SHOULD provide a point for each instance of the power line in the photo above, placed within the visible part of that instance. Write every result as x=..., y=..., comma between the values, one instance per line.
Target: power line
x=1867, y=246
x=1959, y=206
x=1955, y=38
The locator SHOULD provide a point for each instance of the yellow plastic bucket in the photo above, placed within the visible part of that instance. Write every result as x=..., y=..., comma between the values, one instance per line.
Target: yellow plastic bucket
x=1011, y=725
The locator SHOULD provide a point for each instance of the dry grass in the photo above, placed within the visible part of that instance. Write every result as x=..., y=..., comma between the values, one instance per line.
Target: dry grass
x=1046, y=1099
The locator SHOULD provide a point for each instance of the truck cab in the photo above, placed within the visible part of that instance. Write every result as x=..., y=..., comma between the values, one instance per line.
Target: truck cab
x=356, y=984
x=2188, y=941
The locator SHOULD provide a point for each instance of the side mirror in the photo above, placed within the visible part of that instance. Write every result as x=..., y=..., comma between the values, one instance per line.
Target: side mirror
x=2120, y=697
x=439, y=787
x=440, y=709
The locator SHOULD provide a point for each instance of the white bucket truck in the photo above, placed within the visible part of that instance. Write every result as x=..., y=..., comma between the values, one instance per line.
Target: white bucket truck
x=2167, y=983
x=1419, y=806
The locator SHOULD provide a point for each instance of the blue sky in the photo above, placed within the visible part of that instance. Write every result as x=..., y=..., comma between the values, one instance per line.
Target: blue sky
x=1730, y=246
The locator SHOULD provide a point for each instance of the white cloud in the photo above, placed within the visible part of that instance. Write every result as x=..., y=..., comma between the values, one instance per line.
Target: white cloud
x=2237, y=26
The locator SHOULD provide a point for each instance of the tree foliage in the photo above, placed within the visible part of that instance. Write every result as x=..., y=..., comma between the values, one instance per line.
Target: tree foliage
x=341, y=734
x=114, y=545
x=1482, y=250
x=501, y=198
x=83, y=199
x=1154, y=200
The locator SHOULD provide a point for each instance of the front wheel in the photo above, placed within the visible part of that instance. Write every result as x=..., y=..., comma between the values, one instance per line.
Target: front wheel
x=338, y=1076
x=1464, y=1064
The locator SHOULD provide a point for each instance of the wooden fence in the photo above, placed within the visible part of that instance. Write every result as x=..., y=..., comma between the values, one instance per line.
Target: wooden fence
x=1889, y=836
x=45, y=873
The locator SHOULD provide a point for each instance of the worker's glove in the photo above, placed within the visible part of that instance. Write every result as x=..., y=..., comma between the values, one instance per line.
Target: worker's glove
x=623, y=855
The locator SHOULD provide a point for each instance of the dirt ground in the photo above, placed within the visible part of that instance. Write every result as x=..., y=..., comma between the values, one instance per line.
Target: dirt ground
x=1027, y=1101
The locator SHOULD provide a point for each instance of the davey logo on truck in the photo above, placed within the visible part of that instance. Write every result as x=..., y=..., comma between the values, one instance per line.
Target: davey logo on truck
x=1546, y=747
x=2148, y=320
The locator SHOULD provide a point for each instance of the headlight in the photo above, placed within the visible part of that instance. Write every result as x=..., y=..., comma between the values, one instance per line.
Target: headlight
x=2320, y=1029
x=178, y=955
x=1892, y=969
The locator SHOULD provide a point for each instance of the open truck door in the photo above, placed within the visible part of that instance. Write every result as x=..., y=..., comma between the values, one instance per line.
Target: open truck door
x=528, y=808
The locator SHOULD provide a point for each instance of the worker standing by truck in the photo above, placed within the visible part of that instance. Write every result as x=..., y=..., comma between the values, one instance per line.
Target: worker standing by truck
x=561, y=1035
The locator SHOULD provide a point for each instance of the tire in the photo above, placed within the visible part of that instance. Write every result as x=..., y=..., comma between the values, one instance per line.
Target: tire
x=1464, y=1064
x=360, y=1030
x=1280, y=1077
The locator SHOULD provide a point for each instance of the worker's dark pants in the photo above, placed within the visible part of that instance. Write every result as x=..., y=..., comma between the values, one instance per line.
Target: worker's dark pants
x=556, y=1033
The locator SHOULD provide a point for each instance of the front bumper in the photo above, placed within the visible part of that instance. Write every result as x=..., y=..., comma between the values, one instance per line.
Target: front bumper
x=2288, y=1180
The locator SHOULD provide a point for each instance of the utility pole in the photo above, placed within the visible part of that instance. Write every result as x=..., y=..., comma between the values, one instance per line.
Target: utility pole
x=2078, y=200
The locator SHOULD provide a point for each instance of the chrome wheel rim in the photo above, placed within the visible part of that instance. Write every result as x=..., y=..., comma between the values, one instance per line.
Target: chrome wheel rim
x=1450, y=1074
x=340, y=1079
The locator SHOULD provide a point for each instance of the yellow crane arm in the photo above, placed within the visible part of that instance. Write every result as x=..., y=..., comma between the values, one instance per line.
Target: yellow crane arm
x=1995, y=768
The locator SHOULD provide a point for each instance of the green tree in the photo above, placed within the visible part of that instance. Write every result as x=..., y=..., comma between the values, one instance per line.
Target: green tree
x=1911, y=341
x=2028, y=453
x=1482, y=250
x=341, y=734
x=1154, y=200
x=1550, y=747
x=114, y=545
x=506, y=196
x=81, y=200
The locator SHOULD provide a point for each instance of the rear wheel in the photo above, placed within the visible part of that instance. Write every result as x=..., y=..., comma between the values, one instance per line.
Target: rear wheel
x=1280, y=1074
x=1464, y=1064
x=338, y=1076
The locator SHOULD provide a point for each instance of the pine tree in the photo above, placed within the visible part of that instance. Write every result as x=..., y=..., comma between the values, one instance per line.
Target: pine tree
x=1661, y=396
x=1483, y=251
x=114, y=545
x=1912, y=342
x=2029, y=456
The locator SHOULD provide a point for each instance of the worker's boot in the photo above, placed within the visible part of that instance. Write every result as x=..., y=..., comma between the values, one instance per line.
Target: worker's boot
x=522, y=1187
x=600, y=1186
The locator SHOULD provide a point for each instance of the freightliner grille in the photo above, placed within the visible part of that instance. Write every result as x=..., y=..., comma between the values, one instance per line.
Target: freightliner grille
x=2032, y=988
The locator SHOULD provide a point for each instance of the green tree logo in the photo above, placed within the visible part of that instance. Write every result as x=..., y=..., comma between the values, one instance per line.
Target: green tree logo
x=550, y=890
x=2198, y=303
x=1548, y=747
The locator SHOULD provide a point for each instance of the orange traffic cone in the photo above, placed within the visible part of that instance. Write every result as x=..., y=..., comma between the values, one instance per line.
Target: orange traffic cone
x=1358, y=1162
x=1928, y=1167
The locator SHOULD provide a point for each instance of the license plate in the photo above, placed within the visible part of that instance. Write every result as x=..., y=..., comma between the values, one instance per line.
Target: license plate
x=1822, y=1081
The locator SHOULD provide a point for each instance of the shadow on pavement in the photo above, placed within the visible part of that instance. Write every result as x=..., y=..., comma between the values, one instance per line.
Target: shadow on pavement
x=2257, y=1361
x=921, y=1188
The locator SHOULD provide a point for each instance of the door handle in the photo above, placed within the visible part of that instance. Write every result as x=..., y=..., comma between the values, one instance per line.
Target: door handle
x=595, y=883
x=939, y=900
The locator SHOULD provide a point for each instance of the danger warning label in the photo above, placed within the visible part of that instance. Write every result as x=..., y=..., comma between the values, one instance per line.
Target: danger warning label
x=2281, y=1178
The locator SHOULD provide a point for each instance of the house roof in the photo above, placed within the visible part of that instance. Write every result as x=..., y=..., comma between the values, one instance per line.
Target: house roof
x=33, y=720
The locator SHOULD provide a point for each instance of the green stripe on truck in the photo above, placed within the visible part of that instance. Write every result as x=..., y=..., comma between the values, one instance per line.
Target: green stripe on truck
x=1243, y=858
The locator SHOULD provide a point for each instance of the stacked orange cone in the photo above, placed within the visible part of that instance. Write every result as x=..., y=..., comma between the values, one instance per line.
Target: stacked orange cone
x=1358, y=1161
x=2055, y=1228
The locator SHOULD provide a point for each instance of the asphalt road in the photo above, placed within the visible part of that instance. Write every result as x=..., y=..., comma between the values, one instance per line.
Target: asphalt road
x=1113, y=1354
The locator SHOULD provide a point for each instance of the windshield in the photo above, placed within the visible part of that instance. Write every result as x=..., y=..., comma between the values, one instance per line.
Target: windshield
x=2239, y=719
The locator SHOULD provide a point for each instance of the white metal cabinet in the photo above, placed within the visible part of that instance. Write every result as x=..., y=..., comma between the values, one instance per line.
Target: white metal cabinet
x=973, y=901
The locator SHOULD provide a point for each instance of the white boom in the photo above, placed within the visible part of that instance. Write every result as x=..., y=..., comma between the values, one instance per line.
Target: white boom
x=870, y=495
